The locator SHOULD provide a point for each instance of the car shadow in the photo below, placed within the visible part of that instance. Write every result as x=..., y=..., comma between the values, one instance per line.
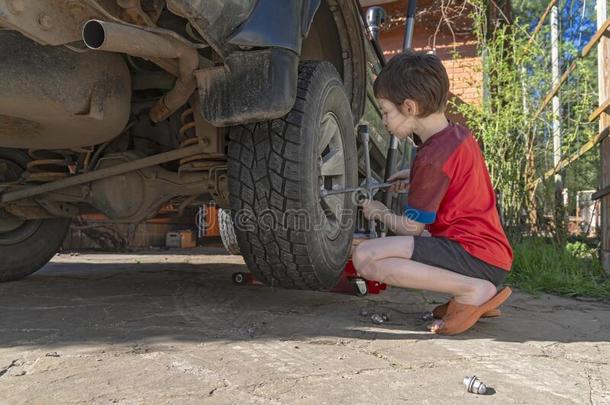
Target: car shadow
x=75, y=303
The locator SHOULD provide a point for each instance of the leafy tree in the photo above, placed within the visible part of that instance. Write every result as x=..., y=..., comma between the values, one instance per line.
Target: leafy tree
x=516, y=140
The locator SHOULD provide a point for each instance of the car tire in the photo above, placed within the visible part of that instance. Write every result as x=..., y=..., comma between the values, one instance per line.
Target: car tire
x=25, y=246
x=227, y=232
x=288, y=235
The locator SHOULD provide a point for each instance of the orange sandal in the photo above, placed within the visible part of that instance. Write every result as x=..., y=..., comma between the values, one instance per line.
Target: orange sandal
x=440, y=311
x=461, y=317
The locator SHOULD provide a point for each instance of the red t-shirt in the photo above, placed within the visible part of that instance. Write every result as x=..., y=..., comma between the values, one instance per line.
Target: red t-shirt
x=451, y=192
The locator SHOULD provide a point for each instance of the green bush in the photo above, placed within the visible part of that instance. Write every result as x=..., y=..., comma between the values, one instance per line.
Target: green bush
x=581, y=250
x=571, y=270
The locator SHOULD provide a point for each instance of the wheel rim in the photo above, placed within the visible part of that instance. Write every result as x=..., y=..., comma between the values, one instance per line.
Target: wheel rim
x=13, y=229
x=331, y=169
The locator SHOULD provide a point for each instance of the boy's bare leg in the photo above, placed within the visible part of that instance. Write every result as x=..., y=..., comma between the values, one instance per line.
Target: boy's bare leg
x=388, y=260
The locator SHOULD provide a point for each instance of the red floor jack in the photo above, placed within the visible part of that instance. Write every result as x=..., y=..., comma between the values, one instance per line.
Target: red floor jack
x=349, y=283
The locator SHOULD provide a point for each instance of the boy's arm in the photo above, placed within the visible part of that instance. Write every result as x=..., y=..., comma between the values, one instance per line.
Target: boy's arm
x=398, y=224
x=402, y=225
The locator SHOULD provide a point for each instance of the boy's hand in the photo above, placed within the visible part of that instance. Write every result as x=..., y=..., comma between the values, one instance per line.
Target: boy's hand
x=374, y=210
x=401, y=181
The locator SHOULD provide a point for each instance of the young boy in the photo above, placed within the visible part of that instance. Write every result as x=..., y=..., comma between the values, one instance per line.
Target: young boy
x=450, y=193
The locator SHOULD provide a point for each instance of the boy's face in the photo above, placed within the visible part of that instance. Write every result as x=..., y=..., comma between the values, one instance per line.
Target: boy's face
x=397, y=118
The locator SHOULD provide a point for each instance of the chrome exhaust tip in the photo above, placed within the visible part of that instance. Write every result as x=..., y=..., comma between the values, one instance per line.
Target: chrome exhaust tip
x=94, y=34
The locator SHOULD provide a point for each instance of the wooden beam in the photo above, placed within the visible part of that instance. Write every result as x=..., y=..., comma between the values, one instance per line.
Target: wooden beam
x=603, y=31
x=590, y=144
x=599, y=110
x=564, y=77
x=549, y=97
x=541, y=21
x=601, y=193
x=603, y=77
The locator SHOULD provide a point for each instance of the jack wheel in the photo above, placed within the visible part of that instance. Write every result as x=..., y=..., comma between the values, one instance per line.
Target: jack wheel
x=239, y=278
x=360, y=287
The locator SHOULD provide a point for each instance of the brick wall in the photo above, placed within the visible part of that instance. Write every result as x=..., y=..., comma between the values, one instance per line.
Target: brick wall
x=457, y=51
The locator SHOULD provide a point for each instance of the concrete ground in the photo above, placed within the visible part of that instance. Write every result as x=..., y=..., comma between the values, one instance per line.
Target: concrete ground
x=171, y=328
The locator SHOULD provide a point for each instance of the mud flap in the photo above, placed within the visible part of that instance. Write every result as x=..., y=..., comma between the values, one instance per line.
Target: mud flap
x=251, y=87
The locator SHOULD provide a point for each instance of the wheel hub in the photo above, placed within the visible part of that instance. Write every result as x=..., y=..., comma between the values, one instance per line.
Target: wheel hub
x=331, y=169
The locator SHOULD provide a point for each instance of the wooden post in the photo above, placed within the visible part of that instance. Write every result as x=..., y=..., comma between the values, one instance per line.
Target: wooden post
x=603, y=69
x=560, y=225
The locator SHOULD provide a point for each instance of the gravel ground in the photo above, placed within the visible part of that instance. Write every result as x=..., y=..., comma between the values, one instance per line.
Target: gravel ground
x=167, y=327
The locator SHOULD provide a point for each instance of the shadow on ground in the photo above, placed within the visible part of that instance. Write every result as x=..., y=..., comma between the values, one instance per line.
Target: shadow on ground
x=73, y=303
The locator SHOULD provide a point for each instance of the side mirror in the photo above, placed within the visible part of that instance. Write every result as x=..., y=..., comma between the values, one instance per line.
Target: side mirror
x=375, y=16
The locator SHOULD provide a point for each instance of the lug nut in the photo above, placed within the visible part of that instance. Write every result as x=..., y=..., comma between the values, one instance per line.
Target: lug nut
x=377, y=319
x=474, y=385
x=427, y=317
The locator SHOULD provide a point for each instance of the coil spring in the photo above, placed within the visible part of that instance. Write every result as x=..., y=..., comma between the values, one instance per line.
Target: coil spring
x=188, y=137
x=47, y=166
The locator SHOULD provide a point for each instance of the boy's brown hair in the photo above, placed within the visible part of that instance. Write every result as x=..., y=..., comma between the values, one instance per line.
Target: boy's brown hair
x=417, y=76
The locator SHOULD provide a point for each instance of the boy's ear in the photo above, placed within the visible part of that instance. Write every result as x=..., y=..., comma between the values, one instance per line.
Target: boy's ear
x=410, y=107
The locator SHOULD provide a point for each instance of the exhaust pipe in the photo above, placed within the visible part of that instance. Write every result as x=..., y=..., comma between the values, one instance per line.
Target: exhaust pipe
x=112, y=37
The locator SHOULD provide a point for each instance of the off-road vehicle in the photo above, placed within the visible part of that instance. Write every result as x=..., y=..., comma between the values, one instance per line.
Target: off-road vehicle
x=120, y=107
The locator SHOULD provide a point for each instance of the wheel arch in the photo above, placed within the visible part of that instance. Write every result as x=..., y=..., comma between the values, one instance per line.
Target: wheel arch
x=336, y=36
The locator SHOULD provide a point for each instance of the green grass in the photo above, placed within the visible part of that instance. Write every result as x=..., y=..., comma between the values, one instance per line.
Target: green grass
x=572, y=269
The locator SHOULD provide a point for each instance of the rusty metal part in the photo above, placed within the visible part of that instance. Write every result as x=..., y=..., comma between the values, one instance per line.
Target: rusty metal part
x=135, y=13
x=59, y=209
x=202, y=161
x=28, y=209
x=42, y=209
x=113, y=37
x=214, y=20
x=186, y=131
x=32, y=191
x=47, y=166
x=212, y=138
x=188, y=136
x=186, y=203
x=52, y=98
x=59, y=22
x=135, y=196
x=155, y=30
x=220, y=179
x=51, y=22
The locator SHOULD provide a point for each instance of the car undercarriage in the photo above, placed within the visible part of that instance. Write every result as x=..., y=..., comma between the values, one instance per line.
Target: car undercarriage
x=121, y=107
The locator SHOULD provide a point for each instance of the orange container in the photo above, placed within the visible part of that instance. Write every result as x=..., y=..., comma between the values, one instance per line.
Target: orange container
x=211, y=221
x=187, y=240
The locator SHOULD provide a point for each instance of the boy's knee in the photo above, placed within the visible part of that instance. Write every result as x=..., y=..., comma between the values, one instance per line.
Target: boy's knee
x=357, y=257
x=362, y=259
